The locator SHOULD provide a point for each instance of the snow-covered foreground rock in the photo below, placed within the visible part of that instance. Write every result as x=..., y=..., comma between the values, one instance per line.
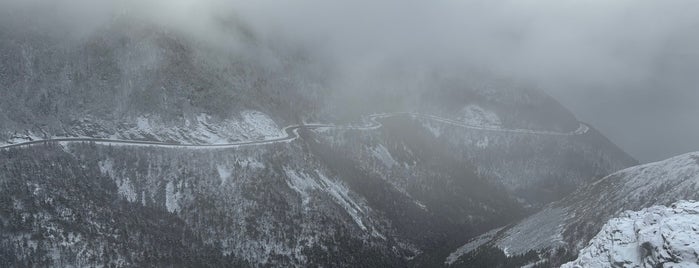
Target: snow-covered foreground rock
x=654, y=237
x=560, y=230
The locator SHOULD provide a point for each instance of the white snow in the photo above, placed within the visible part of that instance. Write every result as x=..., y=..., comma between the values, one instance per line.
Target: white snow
x=24, y=137
x=381, y=153
x=143, y=198
x=142, y=124
x=519, y=240
x=304, y=184
x=662, y=182
x=432, y=128
x=224, y=173
x=301, y=184
x=342, y=197
x=252, y=163
x=682, y=172
x=260, y=124
x=106, y=167
x=654, y=237
x=476, y=116
x=483, y=143
x=126, y=190
x=172, y=198
x=471, y=246
x=206, y=132
x=204, y=129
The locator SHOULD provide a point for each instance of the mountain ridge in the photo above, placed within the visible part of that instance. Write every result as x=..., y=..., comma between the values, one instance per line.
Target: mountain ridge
x=575, y=219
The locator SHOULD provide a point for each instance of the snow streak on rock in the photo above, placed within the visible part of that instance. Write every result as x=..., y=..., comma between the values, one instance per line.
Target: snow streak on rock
x=172, y=198
x=305, y=184
x=381, y=153
x=126, y=190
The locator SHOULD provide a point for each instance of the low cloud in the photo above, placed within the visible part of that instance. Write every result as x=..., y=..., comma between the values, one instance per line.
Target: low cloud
x=579, y=51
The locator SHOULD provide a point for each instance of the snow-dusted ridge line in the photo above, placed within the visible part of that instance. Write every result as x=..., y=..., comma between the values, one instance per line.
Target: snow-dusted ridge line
x=292, y=134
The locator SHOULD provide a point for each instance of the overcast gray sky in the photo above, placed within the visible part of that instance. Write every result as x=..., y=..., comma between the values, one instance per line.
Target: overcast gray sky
x=629, y=67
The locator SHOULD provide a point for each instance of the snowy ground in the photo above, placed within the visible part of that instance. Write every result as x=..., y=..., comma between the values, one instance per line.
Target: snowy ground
x=654, y=237
x=663, y=182
x=471, y=246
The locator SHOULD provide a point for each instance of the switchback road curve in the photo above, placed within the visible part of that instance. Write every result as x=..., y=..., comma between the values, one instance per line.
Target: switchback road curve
x=291, y=134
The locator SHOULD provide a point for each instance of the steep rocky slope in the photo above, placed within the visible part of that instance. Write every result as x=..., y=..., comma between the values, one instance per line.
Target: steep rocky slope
x=564, y=227
x=654, y=237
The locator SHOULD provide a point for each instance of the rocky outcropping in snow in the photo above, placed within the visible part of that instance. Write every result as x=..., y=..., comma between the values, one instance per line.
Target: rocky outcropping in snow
x=563, y=228
x=654, y=237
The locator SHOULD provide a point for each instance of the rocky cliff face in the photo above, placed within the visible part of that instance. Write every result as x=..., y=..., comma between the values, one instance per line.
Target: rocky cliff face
x=654, y=237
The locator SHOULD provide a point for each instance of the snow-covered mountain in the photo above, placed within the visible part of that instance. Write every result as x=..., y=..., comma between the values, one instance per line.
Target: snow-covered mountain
x=658, y=236
x=486, y=153
x=561, y=229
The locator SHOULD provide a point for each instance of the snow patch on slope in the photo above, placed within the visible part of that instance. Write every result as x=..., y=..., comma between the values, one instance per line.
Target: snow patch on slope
x=125, y=187
x=471, y=246
x=301, y=183
x=106, y=167
x=380, y=152
x=682, y=172
x=251, y=163
x=252, y=125
x=25, y=136
x=260, y=124
x=477, y=116
x=126, y=190
x=224, y=173
x=654, y=237
x=548, y=234
x=305, y=184
x=342, y=197
x=172, y=198
x=433, y=128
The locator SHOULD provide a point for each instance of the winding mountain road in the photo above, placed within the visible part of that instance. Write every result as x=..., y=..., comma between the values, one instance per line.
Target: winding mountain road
x=292, y=134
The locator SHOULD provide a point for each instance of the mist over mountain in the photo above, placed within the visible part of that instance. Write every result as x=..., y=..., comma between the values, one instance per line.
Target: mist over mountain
x=606, y=61
x=314, y=133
